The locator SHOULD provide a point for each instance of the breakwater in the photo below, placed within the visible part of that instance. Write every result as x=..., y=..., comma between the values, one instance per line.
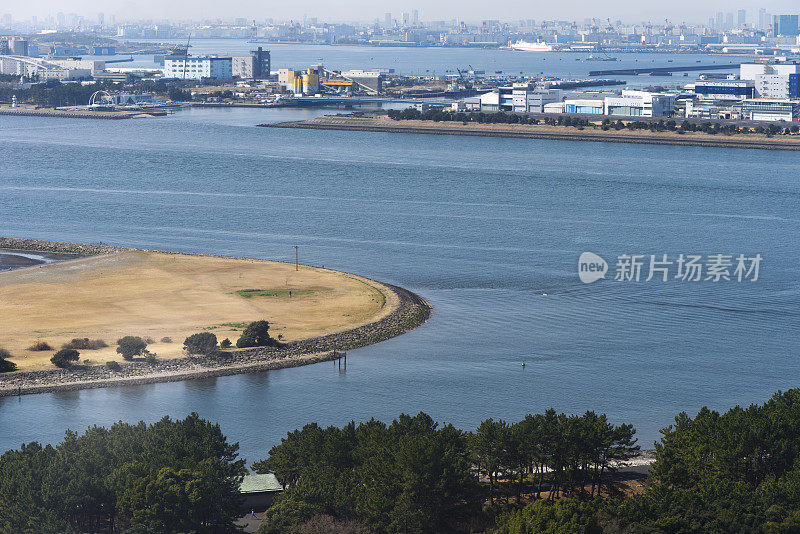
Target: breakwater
x=661, y=70
x=111, y=115
x=557, y=133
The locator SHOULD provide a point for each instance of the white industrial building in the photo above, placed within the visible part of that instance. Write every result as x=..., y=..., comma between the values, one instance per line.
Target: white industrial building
x=554, y=107
x=93, y=66
x=725, y=89
x=586, y=106
x=749, y=71
x=520, y=98
x=63, y=74
x=198, y=67
x=640, y=104
x=773, y=80
x=773, y=85
x=526, y=98
x=243, y=66
x=767, y=109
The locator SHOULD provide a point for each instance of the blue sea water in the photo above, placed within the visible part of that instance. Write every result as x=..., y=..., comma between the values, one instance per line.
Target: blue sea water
x=489, y=230
x=446, y=60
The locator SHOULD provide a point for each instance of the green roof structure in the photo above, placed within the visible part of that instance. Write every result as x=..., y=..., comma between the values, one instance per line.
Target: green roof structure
x=259, y=484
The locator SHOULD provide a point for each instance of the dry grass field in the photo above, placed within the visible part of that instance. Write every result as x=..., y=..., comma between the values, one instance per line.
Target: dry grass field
x=160, y=295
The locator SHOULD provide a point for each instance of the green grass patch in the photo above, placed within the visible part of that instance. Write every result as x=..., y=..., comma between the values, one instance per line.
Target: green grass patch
x=275, y=293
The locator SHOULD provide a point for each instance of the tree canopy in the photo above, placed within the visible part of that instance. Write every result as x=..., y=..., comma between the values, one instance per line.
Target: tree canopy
x=65, y=357
x=130, y=346
x=170, y=476
x=201, y=343
x=409, y=476
x=256, y=334
x=6, y=365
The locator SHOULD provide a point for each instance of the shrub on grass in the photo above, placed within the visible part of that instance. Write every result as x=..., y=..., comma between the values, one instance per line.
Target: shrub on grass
x=150, y=358
x=40, y=346
x=65, y=358
x=166, y=339
x=85, y=343
x=225, y=343
x=114, y=366
x=130, y=346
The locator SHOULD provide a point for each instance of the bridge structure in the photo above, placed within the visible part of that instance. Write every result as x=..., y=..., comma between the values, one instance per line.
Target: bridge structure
x=22, y=65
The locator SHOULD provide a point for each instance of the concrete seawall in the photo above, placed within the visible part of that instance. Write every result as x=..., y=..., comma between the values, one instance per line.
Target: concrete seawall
x=68, y=114
x=646, y=138
x=410, y=313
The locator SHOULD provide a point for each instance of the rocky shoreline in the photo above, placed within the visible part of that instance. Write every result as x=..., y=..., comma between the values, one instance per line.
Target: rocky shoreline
x=638, y=137
x=410, y=313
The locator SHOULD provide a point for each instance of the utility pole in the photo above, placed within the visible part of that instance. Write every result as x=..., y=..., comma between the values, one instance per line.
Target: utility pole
x=296, y=258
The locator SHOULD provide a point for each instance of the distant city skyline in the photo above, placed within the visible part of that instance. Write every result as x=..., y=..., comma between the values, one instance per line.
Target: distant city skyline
x=364, y=11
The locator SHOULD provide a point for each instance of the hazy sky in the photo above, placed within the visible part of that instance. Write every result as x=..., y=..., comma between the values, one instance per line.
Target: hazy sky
x=343, y=10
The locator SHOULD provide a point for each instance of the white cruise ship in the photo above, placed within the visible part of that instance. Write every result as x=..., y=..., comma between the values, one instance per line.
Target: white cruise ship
x=525, y=46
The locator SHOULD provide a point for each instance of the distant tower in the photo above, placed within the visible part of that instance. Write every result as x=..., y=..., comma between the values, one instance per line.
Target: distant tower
x=388, y=20
x=742, y=18
x=101, y=18
x=415, y=16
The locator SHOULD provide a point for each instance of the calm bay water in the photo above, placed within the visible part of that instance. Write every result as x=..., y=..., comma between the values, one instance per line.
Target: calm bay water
x=488, y=230
x=441, y=60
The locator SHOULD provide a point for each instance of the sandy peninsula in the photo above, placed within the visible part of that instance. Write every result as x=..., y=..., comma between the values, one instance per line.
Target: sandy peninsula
x=166, y=297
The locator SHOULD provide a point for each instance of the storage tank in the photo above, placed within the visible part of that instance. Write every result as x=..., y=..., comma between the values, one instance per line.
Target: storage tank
x=310, y=83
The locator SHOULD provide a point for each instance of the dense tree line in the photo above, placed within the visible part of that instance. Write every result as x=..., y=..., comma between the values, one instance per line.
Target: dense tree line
x=732, y=472
x=735, y=472
x=573, y=453
x=55, y=94
x=669, y=125
x=171, y=476
x=413, y=476
x=409, y=476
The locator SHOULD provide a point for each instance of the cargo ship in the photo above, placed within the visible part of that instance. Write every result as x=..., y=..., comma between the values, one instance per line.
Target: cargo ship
x=524, y=46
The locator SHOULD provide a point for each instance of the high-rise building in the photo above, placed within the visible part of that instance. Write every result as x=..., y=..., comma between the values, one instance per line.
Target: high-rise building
x=18, y=46
x=742, y=18
x=415, y=16
x=720, y=25
x=728, y=21
x=762, y=19
x=406, y=19
x=261, y=63
x=787, y=25
x=387, y=20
